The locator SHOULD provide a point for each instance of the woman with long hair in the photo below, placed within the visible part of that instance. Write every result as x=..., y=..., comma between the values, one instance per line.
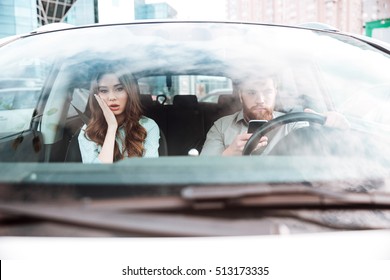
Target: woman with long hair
x=117, y=129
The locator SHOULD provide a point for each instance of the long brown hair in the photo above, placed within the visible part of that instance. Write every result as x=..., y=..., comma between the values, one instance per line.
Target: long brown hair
x=135, y=134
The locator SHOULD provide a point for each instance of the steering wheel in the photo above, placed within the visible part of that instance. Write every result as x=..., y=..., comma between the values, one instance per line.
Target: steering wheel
x=277, y=122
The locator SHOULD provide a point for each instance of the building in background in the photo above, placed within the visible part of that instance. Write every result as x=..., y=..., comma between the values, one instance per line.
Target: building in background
x=82, y=12
x=345, y=15
x=116, y=11
x=153, y=10
x=376, y=10
x=371, y=17
x=23, y=16
x=50, y=11
x=376, y=15
x=17, y=17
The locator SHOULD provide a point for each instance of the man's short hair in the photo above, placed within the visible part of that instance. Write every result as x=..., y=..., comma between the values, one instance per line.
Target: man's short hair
x=238, y=83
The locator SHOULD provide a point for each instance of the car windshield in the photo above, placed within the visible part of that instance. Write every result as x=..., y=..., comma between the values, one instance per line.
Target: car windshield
x=188, y=76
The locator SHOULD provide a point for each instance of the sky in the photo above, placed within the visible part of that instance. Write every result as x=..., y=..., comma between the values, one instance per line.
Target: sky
x=197, y=9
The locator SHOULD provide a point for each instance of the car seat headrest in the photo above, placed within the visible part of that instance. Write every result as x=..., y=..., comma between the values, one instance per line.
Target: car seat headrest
x=146, y=99
x=185, y=100
x=230, y=101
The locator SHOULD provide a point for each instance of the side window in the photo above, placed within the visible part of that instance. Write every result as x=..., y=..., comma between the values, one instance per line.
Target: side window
x=79, y=100
x=20, y=88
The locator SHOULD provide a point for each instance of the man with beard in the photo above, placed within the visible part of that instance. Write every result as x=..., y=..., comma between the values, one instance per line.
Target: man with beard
x=228, y=135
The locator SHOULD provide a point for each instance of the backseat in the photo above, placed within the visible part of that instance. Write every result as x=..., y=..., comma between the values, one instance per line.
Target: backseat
x=185, y=123
x=157, y=112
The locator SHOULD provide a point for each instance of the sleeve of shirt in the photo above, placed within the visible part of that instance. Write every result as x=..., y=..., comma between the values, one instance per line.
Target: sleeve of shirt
x=89, y=150
x=151, y=143
x=214, y=144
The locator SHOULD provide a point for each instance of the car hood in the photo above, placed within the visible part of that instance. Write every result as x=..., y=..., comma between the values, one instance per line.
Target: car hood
x=352, y=245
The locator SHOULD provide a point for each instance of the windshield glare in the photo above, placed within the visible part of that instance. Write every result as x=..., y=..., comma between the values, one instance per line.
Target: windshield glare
x=45, y=85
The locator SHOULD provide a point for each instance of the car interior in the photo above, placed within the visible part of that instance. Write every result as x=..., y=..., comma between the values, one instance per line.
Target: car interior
x=183, y=120
x=183, y=124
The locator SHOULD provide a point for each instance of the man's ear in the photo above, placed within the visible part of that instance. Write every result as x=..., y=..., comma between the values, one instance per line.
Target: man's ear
x=240, y=95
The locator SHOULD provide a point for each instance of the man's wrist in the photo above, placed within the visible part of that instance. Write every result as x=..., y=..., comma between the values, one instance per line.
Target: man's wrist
x=229, y=152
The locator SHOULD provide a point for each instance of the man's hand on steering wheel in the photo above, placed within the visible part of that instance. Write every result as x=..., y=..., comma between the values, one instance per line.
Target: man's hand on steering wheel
x=333, y=119
x=252, y=142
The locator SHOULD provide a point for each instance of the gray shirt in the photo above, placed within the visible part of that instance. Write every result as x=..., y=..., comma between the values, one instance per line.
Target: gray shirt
x=225, y=129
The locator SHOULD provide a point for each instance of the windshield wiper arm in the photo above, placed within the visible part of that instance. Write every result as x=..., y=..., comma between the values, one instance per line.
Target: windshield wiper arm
x=279, y=195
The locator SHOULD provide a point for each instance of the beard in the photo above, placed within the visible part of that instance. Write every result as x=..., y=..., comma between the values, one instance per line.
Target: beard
x=252, y=114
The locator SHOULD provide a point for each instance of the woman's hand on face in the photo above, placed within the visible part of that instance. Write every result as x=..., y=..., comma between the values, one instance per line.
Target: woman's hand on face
x=108, y=114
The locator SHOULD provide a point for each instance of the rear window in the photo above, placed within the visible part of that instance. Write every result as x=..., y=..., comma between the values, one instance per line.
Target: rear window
x=203, y=87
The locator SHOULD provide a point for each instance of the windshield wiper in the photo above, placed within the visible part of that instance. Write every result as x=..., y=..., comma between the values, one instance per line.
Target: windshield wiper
x=160, y=216
x=276, y=195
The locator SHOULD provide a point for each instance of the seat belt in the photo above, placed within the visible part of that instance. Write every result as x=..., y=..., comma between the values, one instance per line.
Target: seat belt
x=82, y=116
